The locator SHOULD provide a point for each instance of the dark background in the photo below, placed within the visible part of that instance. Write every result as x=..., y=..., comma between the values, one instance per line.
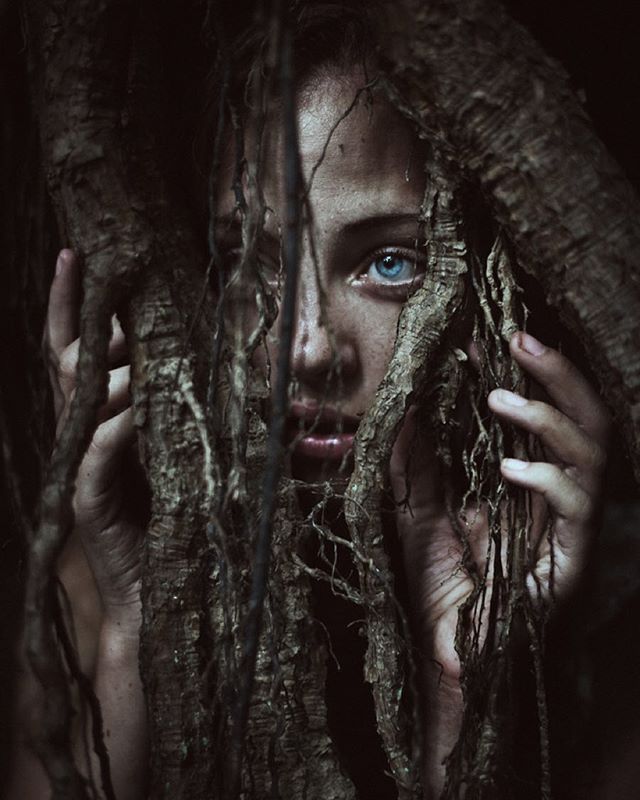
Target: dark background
x=594, y=681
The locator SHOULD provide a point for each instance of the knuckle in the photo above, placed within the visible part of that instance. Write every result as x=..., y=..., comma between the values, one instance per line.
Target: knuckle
x=554, y=367
x=99, y=444
x=550, y=475
x=544, y=418
x=67, y=364
x=581, y=505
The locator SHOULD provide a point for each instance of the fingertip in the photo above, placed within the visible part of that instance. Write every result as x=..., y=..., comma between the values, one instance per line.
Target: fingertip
x=65, y=260
x=523, y=342
x=492, y=400
x=513, y=465
x=116, y=328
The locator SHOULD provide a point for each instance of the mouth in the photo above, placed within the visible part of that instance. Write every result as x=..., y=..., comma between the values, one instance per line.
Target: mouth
x=320, y=432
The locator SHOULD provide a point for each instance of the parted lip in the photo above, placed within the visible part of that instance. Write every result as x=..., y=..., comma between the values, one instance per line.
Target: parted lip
x=321, y=419
x=321, y=432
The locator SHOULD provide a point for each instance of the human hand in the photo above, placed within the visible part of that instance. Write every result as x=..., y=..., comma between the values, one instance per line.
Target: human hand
x=106, y=517
x=572, y=428
x=109, y=528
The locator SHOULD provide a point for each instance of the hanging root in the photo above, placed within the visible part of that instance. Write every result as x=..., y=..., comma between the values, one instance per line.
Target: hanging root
x=422, y=330
x=499, y=612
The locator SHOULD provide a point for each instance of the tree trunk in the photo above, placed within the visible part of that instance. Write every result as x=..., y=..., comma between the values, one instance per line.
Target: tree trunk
x=509, y=120
x=501, y=113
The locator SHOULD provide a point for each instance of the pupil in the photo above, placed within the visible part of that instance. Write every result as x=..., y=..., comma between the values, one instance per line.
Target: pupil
x=390, y=266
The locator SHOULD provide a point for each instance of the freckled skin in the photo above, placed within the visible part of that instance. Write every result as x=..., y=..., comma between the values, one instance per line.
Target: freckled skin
x=365, y=199
x=366, y=174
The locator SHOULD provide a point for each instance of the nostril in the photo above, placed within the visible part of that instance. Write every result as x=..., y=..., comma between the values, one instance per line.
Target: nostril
x=321, y=354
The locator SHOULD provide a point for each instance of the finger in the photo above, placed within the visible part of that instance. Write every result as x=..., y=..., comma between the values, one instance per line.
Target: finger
x=118, y=398
x=563, y=495
x=63, y=380
x=68, y=359
x=118, y=351
x=104, y=455
x=564, y=384
x=568, y=442
x=61, y=326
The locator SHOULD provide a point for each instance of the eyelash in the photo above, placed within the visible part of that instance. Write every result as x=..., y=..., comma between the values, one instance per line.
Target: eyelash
x=399, y=290
x=390, y=289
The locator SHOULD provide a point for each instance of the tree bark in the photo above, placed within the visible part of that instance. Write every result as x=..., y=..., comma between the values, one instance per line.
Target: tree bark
x=113, y=210
x=98, y=110
x=480, y=83
x=77, y=123
x=502, y=113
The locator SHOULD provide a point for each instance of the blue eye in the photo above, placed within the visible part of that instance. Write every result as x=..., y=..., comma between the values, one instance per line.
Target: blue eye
x=392, y=268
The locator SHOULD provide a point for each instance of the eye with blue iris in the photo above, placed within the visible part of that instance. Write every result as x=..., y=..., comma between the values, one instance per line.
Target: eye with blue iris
x=392, y=268
x=391, y=274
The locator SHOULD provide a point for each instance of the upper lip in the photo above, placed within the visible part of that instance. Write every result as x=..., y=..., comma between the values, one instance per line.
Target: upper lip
x=322, y=418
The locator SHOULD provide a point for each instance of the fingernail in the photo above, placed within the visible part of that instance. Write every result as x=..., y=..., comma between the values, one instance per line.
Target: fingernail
x=64, y=259
x=531, y=345
x=511, y=398
x=514, y=463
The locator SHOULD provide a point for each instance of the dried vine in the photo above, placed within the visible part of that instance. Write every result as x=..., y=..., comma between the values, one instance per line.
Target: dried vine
x=236, y=630
x=422, y=330
x=501, y=611
x=505, y=112
x=67, y=62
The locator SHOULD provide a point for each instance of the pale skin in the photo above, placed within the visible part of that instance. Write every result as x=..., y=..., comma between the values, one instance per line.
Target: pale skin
x=365, y=198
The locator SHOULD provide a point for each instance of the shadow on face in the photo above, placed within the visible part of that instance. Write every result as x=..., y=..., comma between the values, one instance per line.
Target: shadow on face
x=361, y=256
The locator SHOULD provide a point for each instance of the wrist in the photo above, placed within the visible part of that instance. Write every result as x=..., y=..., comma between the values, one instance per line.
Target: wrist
x=120, y=634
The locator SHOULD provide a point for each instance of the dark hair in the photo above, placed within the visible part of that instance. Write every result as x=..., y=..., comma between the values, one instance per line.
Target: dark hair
x=327, y=36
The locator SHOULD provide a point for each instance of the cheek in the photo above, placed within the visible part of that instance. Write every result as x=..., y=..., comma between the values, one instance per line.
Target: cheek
x=376, y=337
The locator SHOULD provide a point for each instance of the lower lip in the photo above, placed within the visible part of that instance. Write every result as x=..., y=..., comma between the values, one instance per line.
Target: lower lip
x=328, y=447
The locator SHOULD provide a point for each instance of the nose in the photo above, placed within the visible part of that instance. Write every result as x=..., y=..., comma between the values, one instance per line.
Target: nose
x=323, y=354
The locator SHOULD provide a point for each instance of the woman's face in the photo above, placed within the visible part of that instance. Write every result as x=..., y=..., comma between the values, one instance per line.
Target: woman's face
x=365, y=199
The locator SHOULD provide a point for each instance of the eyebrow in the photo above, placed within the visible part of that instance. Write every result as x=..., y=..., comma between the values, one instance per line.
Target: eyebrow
x=357, y=226
x=384, y=221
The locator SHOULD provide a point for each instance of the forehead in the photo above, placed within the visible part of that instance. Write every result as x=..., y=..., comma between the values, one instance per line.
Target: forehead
x=363, y=156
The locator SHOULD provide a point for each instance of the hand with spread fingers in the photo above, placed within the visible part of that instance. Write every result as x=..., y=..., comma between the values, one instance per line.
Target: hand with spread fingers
x=573, y=428
x=105, y=546
x=105, y=520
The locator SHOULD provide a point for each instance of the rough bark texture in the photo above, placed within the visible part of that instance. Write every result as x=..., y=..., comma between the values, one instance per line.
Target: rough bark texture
x=494, y=105
x=97, y=115
x=175, y=440
x=481, y=83
x=78, y=123
x=113, y=211
x=422, y=333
